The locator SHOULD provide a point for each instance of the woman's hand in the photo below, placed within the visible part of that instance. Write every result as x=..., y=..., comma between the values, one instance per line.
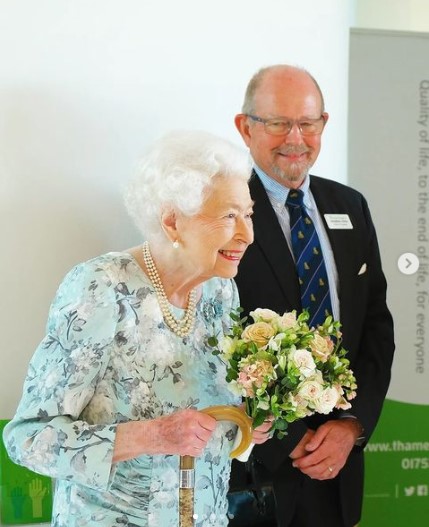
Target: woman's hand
x=185, y=432
x=262, y=433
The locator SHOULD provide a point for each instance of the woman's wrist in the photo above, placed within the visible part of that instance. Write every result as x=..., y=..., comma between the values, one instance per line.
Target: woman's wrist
x=135, y=438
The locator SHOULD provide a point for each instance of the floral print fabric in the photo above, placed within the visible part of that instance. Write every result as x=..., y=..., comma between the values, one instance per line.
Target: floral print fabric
x=108, y=358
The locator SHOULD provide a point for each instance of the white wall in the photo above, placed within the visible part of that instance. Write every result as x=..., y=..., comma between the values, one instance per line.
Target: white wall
x=84, y=85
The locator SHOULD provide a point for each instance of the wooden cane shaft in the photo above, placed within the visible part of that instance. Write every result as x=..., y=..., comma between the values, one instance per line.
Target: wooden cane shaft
x=186, y=500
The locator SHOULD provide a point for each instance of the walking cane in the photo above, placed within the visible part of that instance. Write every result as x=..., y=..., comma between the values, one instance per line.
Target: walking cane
x=187, y=472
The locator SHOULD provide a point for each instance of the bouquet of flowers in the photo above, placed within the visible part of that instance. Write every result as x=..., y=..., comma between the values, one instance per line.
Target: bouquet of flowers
x=285, y=369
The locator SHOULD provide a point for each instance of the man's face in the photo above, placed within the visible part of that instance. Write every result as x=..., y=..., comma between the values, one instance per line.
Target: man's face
x=286, y=158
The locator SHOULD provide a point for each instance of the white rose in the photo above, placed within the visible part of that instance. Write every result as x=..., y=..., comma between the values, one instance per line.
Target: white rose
x=287, y=320
x=310, y=390
x=304, y=361
x=263, y=315
x=327, y=401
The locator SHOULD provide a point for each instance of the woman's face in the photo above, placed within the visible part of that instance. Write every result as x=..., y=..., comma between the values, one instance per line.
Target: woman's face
x=214, y=240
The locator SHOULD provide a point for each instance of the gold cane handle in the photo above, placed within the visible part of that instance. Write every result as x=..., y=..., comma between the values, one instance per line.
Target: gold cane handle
x=237, y=416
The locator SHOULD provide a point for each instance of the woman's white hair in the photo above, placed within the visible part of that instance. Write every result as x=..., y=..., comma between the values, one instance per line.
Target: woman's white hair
x=177, y=172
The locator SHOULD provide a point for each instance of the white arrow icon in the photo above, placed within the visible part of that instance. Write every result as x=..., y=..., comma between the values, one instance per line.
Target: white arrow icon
x=408, y=263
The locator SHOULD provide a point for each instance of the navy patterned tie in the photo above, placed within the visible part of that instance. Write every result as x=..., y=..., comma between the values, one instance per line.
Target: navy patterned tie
x=310, y=266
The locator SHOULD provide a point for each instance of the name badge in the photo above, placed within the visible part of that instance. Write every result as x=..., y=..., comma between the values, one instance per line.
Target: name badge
x=338, y=221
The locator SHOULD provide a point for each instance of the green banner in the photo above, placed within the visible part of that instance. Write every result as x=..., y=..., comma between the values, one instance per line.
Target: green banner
x=397, y=468
x=25, y=497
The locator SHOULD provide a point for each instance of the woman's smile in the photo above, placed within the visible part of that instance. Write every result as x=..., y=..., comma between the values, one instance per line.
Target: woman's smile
x=234, y=256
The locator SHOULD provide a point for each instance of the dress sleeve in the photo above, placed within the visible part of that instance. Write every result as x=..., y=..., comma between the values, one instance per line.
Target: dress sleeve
x=47, y=433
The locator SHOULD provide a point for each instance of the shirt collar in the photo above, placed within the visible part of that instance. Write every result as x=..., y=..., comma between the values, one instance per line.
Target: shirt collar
x=279, y=192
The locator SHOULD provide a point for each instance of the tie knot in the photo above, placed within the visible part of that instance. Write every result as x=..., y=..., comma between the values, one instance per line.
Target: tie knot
x=295, y=198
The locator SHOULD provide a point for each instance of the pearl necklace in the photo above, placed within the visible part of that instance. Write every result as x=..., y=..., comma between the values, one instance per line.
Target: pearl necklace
x=181, y=327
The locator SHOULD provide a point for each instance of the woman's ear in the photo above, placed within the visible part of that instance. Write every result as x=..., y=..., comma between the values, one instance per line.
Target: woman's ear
x=169, y=224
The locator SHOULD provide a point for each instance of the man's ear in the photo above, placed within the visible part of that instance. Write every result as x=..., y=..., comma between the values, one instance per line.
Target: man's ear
x=169, y=224
x=325, y=115
x=242, y=124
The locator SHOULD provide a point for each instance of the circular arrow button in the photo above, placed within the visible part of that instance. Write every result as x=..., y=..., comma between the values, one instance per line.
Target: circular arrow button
x=408, y=263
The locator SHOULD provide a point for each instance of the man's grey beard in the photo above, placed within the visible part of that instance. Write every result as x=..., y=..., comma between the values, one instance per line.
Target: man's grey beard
x=291, y=177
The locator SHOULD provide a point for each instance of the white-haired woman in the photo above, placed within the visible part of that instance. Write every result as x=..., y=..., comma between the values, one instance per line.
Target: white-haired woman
x=111, y=396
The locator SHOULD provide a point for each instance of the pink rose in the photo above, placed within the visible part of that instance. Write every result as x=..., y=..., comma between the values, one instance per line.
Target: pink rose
x=321, y=347
x=255, y=375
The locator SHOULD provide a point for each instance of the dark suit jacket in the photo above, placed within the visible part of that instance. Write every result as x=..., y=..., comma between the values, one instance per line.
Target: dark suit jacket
x=267, y=279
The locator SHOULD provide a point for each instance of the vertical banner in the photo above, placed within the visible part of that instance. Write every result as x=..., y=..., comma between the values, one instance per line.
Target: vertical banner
x=389, y=162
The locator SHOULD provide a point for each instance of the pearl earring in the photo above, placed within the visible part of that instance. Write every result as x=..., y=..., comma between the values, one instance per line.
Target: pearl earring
x=175, y=244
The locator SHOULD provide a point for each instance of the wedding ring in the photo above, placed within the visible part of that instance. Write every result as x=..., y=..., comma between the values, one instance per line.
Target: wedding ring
x=330, y=469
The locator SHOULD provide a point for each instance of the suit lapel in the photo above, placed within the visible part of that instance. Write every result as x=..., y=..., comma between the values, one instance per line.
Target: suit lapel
x=269, y=236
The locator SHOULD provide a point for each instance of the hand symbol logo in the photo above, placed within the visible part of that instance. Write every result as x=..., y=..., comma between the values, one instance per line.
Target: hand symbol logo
x=36, y=491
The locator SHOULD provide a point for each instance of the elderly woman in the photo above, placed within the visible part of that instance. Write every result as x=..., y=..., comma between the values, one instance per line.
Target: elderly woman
x=111, y=396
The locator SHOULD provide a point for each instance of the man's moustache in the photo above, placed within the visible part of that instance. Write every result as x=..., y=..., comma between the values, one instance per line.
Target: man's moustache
x=286, y=150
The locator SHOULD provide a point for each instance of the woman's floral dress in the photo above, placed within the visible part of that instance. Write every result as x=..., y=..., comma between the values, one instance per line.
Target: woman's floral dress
x=107, y=358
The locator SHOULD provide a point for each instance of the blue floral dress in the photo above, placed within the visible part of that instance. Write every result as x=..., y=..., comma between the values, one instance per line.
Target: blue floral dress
x=108, y=358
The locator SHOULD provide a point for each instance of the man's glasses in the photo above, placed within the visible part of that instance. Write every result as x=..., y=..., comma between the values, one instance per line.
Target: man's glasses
x=283, y=126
